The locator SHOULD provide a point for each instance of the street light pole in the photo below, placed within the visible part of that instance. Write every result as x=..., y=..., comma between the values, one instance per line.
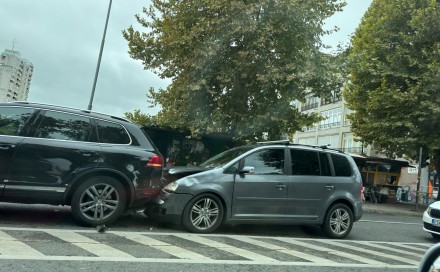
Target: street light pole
x=99, y=58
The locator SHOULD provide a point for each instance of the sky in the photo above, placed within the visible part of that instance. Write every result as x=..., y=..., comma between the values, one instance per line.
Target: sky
x=62, y=39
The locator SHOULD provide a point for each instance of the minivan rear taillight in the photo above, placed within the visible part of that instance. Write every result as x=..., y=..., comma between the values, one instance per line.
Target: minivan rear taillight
x=156, y=162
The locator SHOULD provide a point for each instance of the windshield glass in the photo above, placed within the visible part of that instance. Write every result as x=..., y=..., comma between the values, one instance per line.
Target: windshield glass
x=223, y=158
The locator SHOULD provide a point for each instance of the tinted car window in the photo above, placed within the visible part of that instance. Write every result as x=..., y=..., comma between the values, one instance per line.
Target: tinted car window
x=325, y=165
x=304, y=162
x=223, y=158
x=12, y=120
x=341, y=165
x=111, y=133
x=267, y=162
x=64, y=126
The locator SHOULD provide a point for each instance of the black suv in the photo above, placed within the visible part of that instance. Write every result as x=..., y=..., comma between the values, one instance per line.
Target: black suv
x=98, y=164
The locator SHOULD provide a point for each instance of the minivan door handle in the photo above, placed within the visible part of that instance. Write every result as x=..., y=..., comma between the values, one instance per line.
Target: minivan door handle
x=281, y=186
x=330, y=187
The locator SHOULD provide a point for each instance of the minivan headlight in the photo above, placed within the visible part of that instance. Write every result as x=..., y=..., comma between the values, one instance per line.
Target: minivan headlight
x=171, y=187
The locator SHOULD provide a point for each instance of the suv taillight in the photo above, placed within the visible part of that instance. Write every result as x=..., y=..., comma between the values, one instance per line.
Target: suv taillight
x=156, y=162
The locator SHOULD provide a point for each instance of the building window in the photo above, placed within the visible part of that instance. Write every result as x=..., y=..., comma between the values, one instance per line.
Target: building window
x=332, y=118
x=329, y=140
x=350, y=143
x=335, y=96
x=307, y=141
x=311, y=103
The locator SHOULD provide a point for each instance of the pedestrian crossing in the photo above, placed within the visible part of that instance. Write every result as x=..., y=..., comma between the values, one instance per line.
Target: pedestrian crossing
x=151, y=247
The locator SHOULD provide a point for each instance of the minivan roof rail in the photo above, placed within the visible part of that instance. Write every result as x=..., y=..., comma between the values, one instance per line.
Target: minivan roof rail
x=287, y=142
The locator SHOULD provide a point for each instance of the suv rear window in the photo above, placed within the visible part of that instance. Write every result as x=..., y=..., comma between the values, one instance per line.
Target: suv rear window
x=342, y=166
x=64, y=126
x=112, y=133
x=13, y=119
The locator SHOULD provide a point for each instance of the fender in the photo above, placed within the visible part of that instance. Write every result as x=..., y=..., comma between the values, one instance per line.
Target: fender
x=95, y=172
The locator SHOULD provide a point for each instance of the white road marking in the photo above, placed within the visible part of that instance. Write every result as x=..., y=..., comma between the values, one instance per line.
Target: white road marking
x=364, y=250
x=333, y=251
x=231, y=249
x=390, y=222
x=165, y=247
x=106, y=253
x=11, y=246
x=389, y=249
x=284, y=250
x=92, y=246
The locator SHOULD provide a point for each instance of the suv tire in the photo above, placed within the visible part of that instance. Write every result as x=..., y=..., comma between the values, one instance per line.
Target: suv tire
x=99, y=200
x=338, y=221
x=203, y=214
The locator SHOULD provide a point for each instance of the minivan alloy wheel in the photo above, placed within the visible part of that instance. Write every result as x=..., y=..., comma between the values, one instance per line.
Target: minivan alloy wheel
x=338, y=221
x=203, y=214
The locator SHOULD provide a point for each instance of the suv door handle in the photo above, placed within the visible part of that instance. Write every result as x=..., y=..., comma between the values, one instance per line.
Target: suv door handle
x=6, y=146
x=281, y=186
x=86, y=153
x=330, y=187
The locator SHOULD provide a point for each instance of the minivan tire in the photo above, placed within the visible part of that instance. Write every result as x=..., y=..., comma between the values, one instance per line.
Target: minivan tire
x=99, y=200
x=203, y=214
x=338, y=221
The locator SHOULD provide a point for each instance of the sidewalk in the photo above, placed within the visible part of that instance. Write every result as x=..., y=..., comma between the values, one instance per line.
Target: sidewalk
x=394, y=208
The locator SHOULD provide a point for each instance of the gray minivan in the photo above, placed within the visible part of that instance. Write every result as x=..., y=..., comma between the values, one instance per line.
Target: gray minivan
x=274, y=182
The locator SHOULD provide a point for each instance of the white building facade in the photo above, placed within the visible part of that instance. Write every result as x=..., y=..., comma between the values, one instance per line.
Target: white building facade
x=15, y=76
x=334, y=131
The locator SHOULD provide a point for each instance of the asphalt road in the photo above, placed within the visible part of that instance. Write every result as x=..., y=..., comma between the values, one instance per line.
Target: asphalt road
x=377, y=243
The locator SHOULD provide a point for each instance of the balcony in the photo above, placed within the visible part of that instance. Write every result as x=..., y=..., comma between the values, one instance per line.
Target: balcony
x=309, y=106
x=330, y=100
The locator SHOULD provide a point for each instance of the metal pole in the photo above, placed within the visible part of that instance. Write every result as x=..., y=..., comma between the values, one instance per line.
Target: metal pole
x=99, y=58
x=418, y=178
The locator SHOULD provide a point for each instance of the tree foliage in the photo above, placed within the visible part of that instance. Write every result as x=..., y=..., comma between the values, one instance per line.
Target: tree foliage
x=235, y=65
x=394, y=70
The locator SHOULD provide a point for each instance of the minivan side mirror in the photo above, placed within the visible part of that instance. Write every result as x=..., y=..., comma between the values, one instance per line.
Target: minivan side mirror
x=247, y=170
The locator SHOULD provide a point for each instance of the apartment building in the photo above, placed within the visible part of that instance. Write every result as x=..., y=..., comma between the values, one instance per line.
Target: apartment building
x=15, y=76
x=334, y=131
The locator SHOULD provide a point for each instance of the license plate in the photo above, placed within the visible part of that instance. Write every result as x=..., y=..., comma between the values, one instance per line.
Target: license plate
x=436, y=222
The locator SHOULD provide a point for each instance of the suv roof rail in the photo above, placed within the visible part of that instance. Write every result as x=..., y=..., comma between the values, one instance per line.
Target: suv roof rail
x=71, y=108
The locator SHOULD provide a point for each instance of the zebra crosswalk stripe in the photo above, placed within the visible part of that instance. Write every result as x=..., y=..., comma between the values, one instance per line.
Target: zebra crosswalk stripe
x=11, y=246
x=332, y=251
x=231, y=249
x=165, y=247
x=92, y=246
x=389, y=249
x=291, y=252
x=364, y=250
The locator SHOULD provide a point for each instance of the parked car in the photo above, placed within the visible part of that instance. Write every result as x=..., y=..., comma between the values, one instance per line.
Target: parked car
x=431, y=219
x=98, y=164
x=273, y=182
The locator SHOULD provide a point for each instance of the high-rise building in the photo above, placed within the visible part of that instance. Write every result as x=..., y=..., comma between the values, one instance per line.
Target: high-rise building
x=15, y=76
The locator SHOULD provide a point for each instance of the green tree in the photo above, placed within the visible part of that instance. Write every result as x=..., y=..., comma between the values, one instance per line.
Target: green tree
x=394, y=78
x=235, y=65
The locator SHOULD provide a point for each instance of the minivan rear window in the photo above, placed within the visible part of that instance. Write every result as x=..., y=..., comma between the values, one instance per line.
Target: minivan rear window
x=341, y=165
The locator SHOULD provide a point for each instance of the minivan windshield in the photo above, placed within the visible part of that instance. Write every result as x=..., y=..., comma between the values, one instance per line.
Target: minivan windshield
x=223, y=158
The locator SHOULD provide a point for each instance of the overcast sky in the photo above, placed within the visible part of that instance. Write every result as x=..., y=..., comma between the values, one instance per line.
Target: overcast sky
x=62, y=39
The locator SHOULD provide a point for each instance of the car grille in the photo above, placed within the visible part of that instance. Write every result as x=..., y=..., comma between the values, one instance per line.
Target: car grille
x=431, y=227
x=435, y=213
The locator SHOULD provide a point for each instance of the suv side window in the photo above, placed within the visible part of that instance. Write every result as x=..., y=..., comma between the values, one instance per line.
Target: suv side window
x=267, y=162
x=64, y=126
x=304, y=163
x=342, y=166
x=112, y=133
x=13, y=119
